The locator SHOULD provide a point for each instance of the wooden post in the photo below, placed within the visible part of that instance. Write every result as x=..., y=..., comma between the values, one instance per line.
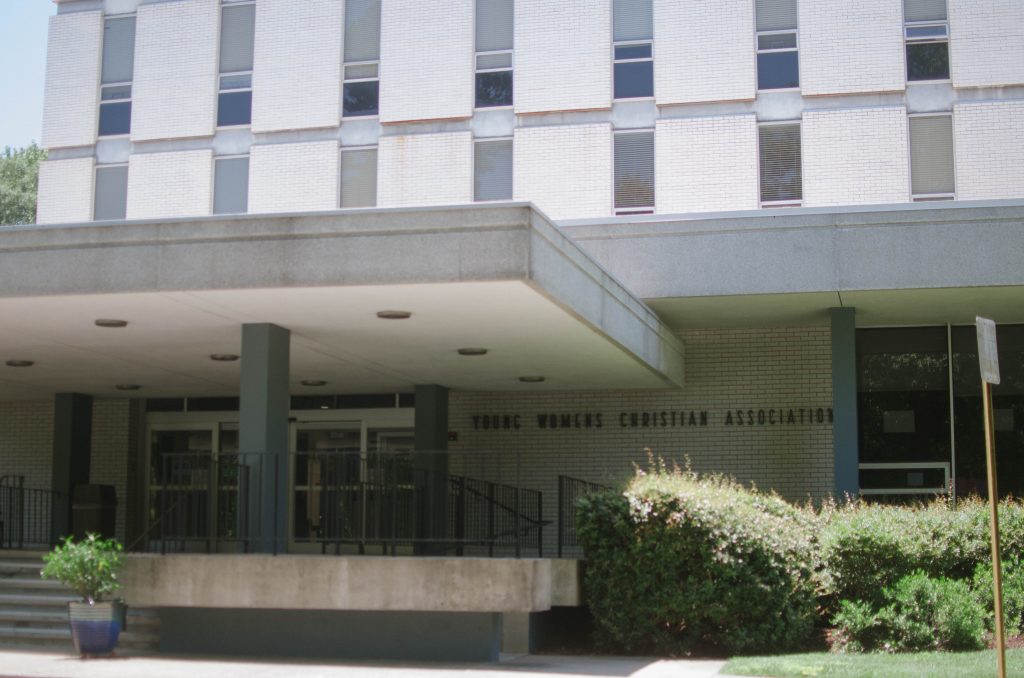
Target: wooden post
x=993, y=500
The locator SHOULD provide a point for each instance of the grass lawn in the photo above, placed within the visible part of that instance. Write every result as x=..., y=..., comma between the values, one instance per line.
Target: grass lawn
x=919, y=665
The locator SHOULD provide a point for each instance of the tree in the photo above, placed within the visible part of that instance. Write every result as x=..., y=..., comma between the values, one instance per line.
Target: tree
x=19, y=178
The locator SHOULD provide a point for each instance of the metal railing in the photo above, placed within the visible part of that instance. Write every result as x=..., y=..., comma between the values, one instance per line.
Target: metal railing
x=25, y=515
x=569, y=491
x=422, y=503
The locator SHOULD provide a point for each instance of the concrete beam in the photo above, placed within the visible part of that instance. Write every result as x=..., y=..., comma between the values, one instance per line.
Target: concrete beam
x=72, y=454
x=844, y=401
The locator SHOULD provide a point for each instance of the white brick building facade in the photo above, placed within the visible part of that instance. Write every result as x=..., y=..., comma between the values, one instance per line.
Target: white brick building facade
x=176, y=184
x=293, y=177
x=989, y=149
x=425, y=169
x=566, y=171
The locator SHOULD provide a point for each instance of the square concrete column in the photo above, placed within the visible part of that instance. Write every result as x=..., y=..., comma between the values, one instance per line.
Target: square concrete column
x=72, y=455
x=844, y=401
x=263, y=433
x=431, y=467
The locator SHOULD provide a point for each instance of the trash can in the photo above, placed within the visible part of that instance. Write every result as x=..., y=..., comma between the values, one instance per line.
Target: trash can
x=93, y=509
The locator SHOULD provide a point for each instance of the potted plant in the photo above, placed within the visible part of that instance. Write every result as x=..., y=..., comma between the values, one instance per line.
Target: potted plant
x=90, y=567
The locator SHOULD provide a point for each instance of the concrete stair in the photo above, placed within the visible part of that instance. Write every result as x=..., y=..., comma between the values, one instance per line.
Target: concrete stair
x=34, y=611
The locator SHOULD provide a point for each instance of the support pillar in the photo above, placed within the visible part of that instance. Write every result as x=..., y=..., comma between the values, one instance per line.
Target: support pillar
x=844, y=401
x=431, y=465
x=72, y=455
x=263, y=432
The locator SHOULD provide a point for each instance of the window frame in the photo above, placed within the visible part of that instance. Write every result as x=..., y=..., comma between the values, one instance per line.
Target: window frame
x=345, y=80
x=485, y=140
x=645, y=210
x=930, y=197
x=758, y=52
x=650, y=59
x=926, y=40
x=95, y=183
x=213, y=180
x=502, y=69
x=110, y=85
x=342, y=150
x=221, y=75
x=772, y=204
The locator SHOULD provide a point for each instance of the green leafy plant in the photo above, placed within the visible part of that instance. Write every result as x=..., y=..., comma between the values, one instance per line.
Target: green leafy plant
x=89, y=566
x=1013, y=594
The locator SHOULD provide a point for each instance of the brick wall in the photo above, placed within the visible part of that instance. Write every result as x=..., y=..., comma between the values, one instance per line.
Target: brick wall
x=427, y=69
x=176, y=63
x=293, y=177
x=989, y=139
x=986, y=42
x=176, y=184
x=563, y=55
x=704, y=51
x=425, y=169
x=565, y=170
x=26, y=441
x=727, y=370
x=297, y=64
x=71, y=98
x=851, y=46
x=706, y=164
x=65, y=191
x=855, y=156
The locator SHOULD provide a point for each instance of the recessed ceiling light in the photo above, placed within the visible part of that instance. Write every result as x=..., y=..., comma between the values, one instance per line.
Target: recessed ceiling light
x=224, y=357
x=313, y=382
x=128, y=387
x=111, y=322
x=20, y=363
x=394, y=315
x=532, y=380
x=472, y=351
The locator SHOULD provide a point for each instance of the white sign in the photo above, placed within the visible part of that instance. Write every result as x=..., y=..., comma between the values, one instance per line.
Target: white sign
x=988, y=355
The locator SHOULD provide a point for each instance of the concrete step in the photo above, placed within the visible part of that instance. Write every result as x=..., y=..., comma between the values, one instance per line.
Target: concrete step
x=34, y=583
x=56, y=599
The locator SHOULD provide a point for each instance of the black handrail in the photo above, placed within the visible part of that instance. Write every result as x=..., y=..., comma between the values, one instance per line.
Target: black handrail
x=26, y=514
x=569, y=491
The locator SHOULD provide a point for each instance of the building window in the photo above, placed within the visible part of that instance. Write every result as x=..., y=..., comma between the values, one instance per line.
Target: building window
x=111, y=197
x=361, y=89
x=359, y=177
x=779, y=160
x=633, y=49
x=116, y=76
x=494, y=35
x=927, y=34
x=237, y=31
x=231, y=185
x=778, y=63
x=932, y=174
x=634, y=172
x=492, y=170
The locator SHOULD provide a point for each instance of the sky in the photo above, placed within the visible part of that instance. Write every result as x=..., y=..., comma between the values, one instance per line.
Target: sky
x=23, y=25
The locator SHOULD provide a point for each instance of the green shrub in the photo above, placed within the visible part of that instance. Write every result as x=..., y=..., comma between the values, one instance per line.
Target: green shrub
x=678, y=562
x=1013, y=594
x=89, y=566
x=865, y=547
x=918, y=613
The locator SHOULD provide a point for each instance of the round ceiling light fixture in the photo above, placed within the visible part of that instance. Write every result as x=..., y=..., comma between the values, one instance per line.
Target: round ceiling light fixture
x=394, y=315
x=473, y=351
x=20, y=363
x=313, y=382
x=223, y=357
x=532, y=380
x=110, y=322
x=127, y=387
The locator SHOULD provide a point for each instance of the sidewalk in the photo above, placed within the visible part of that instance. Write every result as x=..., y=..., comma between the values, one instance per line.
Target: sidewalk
x=15, y=664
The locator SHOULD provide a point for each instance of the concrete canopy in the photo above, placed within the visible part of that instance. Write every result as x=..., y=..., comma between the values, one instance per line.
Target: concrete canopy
x=498, y=277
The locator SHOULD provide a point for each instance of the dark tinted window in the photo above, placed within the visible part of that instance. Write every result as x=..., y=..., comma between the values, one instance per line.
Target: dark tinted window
x=360, y=98
x=494, y=89
x=634, y=79
x=633, y=52
x=778, y=70
x=234, y=108
x=115, y=118
x=928, y=61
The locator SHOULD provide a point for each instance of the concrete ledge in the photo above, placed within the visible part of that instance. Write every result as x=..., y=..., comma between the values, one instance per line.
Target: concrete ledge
x=382, y=584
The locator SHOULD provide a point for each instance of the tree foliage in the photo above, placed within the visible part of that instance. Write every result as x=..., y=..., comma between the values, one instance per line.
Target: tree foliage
x=19, y=179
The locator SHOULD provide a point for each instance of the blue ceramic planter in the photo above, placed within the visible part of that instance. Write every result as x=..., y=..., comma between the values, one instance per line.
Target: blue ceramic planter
x=95, y=628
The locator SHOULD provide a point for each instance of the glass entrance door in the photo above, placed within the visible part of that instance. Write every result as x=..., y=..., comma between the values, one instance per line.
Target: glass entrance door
x=326, y=475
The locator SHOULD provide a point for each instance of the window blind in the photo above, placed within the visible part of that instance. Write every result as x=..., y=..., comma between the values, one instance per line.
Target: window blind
x=779, y=151
x=634, y=170
x=494, y=25
x=111, y=193
x=237, y=34
x=492, y=170
x=231, y=186
x=362, y=30
x=632, y=20
x=776, y=15
x=924, y=10
x=931, y=155
x=359, y=178
x=118, y=50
